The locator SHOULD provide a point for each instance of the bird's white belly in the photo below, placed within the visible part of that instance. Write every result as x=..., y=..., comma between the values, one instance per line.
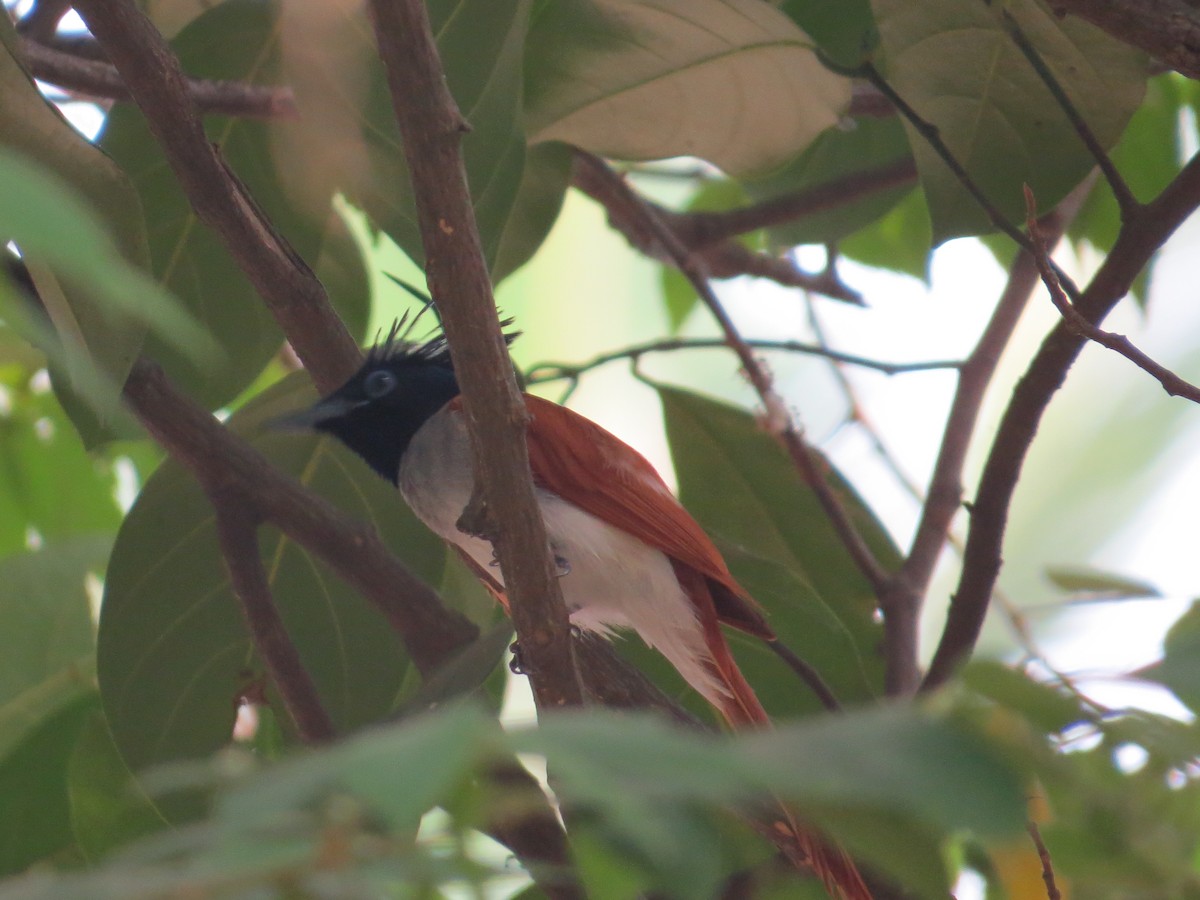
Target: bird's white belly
x=611, y=579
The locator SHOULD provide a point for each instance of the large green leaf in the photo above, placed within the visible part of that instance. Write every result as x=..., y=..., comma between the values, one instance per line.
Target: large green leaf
x=899, y=241
x=743, y=488
x=237, y=40
x=46, y=638
x=1179, y=669
x=732, y=81
x=174, y=654
x=957, y=66
x=35, y=816
x=331, y=62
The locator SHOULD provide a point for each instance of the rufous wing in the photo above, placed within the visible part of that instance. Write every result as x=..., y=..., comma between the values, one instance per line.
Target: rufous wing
x=575, y=458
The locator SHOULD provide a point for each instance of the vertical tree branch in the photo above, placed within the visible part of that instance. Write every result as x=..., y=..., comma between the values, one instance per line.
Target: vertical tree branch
x=1142, y=234
x=431, y=129
x=237, y=533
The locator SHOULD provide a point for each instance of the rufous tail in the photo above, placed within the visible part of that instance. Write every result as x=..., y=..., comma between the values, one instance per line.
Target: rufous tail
x=742, y=710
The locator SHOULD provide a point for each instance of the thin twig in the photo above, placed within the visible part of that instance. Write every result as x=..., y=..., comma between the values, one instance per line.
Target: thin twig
x=1121, y=192
x=95, y=78
x=503, y=507
x=778, y=419
x=1140, y=237
x=1052, y=891
x=1119, y=343
x=292, y=293
x=237, y=534
x=732, y=259
x=551, y=371
x=933, y=137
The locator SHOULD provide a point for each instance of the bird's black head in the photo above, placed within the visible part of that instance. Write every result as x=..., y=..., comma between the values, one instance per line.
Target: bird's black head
x=383, y=405
x=377, y=412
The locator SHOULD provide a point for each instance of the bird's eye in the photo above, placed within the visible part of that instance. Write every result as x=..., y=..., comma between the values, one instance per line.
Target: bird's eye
x=379, y=383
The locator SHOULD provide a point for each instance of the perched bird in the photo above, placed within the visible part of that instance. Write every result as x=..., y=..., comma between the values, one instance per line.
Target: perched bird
x=630, y=555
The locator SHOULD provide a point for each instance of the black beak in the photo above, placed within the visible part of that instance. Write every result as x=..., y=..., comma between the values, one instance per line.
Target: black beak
x=324, y=411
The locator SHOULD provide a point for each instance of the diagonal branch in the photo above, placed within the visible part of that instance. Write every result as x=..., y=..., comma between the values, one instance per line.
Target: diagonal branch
x=1169, y=30
x=237, y=533
x=292, y=293
x=779, y=420
x=1140, y=237
x=431, y=130
x=97, y=78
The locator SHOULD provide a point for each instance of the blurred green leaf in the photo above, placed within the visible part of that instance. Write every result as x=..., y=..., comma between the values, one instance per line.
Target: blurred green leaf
x=731, y=81
x=741, y=486
x=843, y=29
x=1096, y=584
x=62, y=238
x=46, y=638
x=108, y=808
x=1048, y=708
x=35, y=819
x=870, y=145
x=174, y=654
x=1179, y=669
x=48, y=484
x=32, y=128
x=957, y=66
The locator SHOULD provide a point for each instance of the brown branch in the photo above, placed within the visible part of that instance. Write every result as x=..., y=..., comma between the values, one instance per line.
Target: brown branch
x=1119, y=343
x=96, y=78
x=1168, y=30
x=1052, y=891
x=223, y=462
x=1140, y=237
x=709, y=234
x=943, y=497
x=292, y=293
x=431, y=130
x=620, y=197
x=41, y=22
x=237, y=534
x=700, y=229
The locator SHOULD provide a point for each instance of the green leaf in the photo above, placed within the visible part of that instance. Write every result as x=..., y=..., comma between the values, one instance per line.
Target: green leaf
x=731, y=81
x=35, y=819
x=45, y=631
x=33, y=129
x=742, y=487
x=333, y=67
x=48, y=484
x=957, y=66
x=900, y=241
x=871, y=145
x=238, y=41
x=843, y=29
x=1148, y=156
x=174, y=654
x=1098, y=585
x=62, y=237
x=535, y=209
x=1179, y=669
x=1049, y=708
x=108, y=808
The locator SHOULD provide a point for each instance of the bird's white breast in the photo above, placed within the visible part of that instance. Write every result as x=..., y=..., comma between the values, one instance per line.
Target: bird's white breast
x=614, y=579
